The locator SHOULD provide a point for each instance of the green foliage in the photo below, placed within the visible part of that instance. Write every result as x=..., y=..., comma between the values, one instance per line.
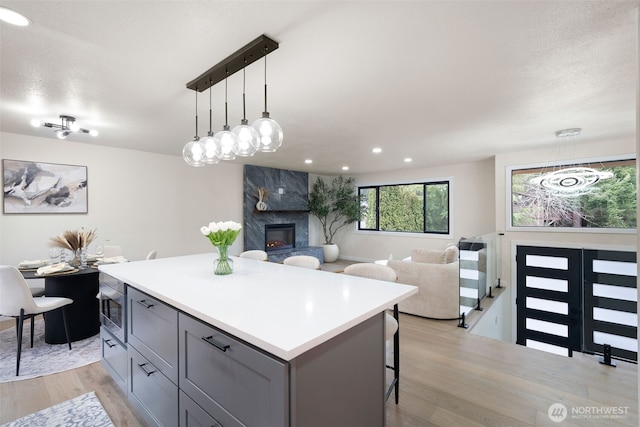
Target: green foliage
x=335, y=205
x=613, y=205
x=437, y=208
x=401, y=208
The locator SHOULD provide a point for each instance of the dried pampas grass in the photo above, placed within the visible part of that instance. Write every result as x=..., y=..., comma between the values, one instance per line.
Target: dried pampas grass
x=73, y=239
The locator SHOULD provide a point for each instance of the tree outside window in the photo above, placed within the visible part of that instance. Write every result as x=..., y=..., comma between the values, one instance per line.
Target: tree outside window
x=609, y=203
x=410, y=208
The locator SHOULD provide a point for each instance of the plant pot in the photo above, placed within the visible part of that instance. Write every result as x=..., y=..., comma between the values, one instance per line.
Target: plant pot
x=331, y=252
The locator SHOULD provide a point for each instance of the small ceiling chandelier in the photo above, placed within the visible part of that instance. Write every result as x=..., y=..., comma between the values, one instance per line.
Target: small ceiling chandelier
x=570, y=180
x=265, y=134
x=66, y=127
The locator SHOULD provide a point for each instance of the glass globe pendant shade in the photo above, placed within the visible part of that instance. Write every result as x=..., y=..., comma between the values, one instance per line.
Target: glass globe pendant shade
x=225, y=140
x=270, y=133
x=247, y=139
x=211, y=152
x=193, y=153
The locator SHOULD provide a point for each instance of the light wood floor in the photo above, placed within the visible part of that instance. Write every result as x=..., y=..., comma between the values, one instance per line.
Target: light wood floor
x=448, y=378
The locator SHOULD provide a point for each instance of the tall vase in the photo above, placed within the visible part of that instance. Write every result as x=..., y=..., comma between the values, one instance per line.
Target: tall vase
x=223, y=264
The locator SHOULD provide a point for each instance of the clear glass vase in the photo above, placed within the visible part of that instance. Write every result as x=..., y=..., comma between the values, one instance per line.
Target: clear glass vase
x=75, y=259
x=79, y=259
x=223, y=264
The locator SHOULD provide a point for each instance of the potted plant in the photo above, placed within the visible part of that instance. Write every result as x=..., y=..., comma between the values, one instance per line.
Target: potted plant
x=335, y=205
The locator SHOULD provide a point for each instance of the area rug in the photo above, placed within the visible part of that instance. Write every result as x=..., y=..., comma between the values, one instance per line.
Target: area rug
x=84, y=410
x=43, y=358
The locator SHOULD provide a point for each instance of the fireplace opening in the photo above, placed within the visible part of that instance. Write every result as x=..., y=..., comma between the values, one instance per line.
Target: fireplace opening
x=279, y=236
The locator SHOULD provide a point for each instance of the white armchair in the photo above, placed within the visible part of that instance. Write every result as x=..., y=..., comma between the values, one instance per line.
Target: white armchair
x=437, y=276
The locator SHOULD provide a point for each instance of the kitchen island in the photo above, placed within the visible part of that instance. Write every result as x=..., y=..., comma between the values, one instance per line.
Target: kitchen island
x=267, y=345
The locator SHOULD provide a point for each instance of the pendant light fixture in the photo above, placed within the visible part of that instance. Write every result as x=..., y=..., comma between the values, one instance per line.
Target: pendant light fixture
x=211, y=152
x=248, y=137
x=269, y=130
x=193, y=151
x=265, y=134
x=226, y=140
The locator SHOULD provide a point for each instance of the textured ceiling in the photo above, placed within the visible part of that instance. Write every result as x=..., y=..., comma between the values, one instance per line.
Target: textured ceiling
x=440, y=82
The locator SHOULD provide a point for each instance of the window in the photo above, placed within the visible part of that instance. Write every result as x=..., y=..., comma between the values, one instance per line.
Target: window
x=409, y=208
x=609, y=203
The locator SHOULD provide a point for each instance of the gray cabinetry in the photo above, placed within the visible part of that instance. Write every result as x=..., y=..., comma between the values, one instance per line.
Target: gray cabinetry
x=233, y=382
x=153, y=331
x=151, y=392
x=114, y=358
x=153, y=358
x=192, y=415
x=180, y=371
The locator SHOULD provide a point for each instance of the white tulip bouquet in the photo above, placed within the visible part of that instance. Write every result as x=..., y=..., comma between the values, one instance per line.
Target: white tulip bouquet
x=221, y=233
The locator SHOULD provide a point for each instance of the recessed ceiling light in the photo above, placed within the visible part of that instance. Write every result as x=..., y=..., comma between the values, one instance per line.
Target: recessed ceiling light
x=565, y=133
x=345, y=168
x=12, y=17
x=408, y=159
x=308, y=161
x=377, y=150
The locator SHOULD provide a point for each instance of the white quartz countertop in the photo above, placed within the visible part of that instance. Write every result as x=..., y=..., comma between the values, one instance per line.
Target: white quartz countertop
x=281, y=309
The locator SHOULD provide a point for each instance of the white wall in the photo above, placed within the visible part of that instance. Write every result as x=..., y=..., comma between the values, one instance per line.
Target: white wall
x=140, y=201
x=495, y=321
x=472, y=208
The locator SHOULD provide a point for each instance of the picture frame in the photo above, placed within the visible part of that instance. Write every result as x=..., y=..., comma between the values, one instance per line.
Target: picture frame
x=44, y=188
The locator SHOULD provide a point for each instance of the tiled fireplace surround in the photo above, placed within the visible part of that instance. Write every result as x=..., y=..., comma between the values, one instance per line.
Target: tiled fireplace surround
x=288, y=202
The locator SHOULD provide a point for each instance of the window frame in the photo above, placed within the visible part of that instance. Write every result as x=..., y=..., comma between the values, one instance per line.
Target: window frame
x=509, y=169
x=424, y=185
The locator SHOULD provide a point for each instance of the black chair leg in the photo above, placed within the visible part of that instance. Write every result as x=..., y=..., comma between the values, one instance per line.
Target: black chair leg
x=33, y=320
x=66, y=327
x=396, y=352
x=395, y=383
x=20, y=323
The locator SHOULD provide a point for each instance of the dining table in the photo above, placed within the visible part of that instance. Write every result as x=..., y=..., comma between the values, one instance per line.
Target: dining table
x=83, y=316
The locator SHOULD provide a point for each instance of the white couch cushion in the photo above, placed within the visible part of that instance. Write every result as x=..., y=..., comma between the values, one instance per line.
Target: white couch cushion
x=430, y=256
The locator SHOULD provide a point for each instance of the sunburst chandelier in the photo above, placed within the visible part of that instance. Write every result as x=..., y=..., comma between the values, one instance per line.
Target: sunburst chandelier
x=570, y=180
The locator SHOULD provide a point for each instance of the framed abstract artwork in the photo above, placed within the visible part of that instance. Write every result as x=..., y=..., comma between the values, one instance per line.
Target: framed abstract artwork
x=49, y=188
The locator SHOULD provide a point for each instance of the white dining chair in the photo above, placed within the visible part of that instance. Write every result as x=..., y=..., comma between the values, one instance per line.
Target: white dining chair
x=152, y=254
x=17, y=301
x=255, y=254
x=392, y=322
x=37, y=291
x=305, y=261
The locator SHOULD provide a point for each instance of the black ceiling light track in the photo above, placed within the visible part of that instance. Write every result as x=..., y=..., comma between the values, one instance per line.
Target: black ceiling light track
x=235, y=62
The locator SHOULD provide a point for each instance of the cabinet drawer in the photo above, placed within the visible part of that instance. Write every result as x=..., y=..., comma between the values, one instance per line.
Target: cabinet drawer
x=235, y=383
x=114, y=358
x=151, y=392
x=153, y=330
x=192, y=415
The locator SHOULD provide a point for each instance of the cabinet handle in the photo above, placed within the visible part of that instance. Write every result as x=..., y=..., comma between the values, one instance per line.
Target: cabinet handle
x=143, y=369
x=216, y=344
x=108, y=342
x=145, y=304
